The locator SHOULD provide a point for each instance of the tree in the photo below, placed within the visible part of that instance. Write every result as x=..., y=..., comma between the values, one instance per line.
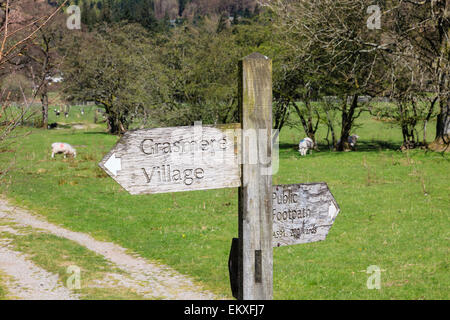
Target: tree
x=199, y=72
x=18, y=32
x=329, y=48
x=105, y=14
x=419, y=31
x=109, y=67
x=290, y=86
x=410, y=98
x=43, y=58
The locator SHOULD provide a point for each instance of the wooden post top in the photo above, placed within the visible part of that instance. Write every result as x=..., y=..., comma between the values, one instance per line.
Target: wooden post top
x=256, y=56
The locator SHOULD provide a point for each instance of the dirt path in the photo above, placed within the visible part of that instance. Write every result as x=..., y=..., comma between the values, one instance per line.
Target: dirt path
x=29, y=282
x=146, y=278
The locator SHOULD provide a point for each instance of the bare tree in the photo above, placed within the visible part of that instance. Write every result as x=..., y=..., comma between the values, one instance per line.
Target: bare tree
x=329, y=44
x=16, y=32
x=424, y=27
x=333, y=38
x=43, y=58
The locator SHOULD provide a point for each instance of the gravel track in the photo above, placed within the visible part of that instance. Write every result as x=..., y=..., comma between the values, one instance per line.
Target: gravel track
x=149, y=279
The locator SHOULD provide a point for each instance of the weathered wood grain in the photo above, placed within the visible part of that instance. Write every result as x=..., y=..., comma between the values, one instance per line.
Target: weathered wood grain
x=175, y=159
x=302, y=213
x=255, y=194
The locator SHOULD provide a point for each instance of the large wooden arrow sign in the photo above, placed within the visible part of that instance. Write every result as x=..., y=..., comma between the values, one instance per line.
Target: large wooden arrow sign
x=175, y=159
x=302, y=213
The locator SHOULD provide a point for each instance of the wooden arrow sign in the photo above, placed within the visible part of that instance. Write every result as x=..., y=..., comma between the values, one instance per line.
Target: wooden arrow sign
x=302, y=213
x=175, y=159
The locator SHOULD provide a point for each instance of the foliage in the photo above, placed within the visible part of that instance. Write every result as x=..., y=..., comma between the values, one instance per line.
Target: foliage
x=180, y=63
x=326, y=52
x=421, y=32
x=109, y=68
x=173, y=78
x=200, y=67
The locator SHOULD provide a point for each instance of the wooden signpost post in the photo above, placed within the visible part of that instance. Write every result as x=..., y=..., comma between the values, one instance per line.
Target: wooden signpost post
x=255, y=262
x=238, y=155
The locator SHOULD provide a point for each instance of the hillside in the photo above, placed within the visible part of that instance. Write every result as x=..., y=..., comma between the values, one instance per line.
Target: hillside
x=171, y=9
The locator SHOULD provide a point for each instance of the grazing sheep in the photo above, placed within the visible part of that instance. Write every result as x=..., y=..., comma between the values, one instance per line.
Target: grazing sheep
x=65, y=148
x=351, y=141
x=57, y=112
x=305, y=145
x=52, y=125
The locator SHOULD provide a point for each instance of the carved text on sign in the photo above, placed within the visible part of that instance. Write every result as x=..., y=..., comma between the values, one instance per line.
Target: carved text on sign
x=302, y=213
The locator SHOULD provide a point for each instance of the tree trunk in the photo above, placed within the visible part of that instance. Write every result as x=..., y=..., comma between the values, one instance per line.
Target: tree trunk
x=309, y=128
x=281, y=113
x=443, y=123
x=427, y=119
x=116, y=124
x=348, y=117
x=442, y=141
x=409, y=141
x=113, y=126
x=331, y=129
x=44, y=101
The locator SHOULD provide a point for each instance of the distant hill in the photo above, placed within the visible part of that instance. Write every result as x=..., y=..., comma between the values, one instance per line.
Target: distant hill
x=23, y=12
x=171, y=9
x=191, y=8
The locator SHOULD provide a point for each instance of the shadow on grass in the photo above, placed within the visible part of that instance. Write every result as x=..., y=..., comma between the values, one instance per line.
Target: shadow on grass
x=98, y=133
x=378, y=145
x=366, y=146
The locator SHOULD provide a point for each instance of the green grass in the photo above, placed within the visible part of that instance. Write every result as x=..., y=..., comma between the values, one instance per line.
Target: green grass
x=75, y=115
x=394, y=214
x=33, y=117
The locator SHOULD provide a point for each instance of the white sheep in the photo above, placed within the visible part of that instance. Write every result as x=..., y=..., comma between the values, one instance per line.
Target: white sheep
x=305, y=145
x=65, y=148
x=351, y=141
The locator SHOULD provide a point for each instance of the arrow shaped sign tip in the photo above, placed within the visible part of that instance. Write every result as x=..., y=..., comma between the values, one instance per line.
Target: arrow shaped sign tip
x=332, y=211
x=113, y=164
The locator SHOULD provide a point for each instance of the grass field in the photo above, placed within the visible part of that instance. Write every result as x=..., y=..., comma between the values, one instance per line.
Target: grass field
x=394, y=213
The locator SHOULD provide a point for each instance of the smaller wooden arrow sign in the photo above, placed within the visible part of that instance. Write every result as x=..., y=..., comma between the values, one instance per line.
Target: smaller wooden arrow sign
x=302, y=213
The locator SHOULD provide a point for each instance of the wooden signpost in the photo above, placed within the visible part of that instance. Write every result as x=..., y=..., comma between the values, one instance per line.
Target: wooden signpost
x=238, y=155
x=302, y=213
